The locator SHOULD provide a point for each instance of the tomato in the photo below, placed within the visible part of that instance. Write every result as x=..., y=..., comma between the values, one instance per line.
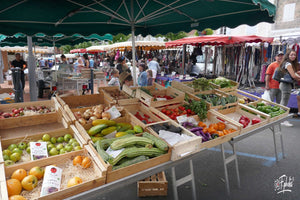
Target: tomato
x=168, y=112
x=189, y=111
x=184, y=112
x=193, y=113
x=163, y=110
x=176, y=109
x=181, y=108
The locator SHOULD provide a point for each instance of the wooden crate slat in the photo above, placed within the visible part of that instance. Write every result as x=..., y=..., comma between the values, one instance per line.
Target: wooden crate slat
x=155, y=187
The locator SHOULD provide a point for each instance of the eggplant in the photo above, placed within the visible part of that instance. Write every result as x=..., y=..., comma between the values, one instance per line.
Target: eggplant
x=197, y=133
x=196, y=129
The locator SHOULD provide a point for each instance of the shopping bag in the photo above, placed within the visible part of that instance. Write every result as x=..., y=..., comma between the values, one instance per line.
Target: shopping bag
x=266, y=95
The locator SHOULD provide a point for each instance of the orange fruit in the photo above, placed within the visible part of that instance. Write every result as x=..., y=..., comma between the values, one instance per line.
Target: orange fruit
x=17, y=197
x=74, y=181
x=14, y=187
x=37, y=172
x=29, y=182
x=86, y=162
x=77, y=160
x=19, y=174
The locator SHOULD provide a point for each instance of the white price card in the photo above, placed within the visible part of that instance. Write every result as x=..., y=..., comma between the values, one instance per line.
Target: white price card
x=52, y=180
x=111, y=135
x=114, y=113
x=182, y=118
x=161, y=99
x=38, y=150
x=114, y=153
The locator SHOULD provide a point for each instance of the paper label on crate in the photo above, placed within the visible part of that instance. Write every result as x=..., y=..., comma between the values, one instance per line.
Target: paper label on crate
x=114, y=153
x=114, y=113
x=111, y=135
x=182, y=118
x=38, y=150
x=161, y=99
x=52, y=180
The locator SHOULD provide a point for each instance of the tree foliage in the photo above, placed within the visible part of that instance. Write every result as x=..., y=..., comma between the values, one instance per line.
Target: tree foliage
x=173, y=36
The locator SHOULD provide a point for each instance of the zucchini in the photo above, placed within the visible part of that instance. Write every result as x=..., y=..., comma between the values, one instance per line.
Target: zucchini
x=159, y=143
x=125, y=142
x=134, y=152
x=130, y=162
x=104, y=144
x=101, y=152
x=96, y=129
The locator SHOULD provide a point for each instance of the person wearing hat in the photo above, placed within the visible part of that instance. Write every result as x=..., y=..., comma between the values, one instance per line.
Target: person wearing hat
x=122, y=66
x=271, y=84
x=125, y=79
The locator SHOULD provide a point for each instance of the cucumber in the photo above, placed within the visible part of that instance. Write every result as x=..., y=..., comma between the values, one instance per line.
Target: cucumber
x=130, y=162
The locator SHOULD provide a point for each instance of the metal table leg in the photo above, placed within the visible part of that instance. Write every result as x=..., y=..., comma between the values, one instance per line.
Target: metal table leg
x=274, y=139
x=225, y=170
x=281, y=140
x=236, y=166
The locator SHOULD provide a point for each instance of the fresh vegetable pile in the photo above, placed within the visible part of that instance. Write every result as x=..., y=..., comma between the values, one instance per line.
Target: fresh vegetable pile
x=175, y=112
x=26, y=111
x=133, y=149
x=216, y=100
x=222, y=82
x=210, y=132
x=144, y=118
x=245, y=100
x=201, y=84
x=97, y=112
x=117, y=94
x=273, y=111
x=198, y=107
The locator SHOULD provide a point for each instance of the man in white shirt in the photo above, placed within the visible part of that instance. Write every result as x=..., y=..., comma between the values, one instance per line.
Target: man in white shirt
x=154, y=66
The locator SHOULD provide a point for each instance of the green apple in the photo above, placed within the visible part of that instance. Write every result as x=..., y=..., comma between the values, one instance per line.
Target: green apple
x=17, y=150
x=9, y=162
x=60, y=139
x=28, y=150
x=72, y=140
x=53, y=140
x=53, y=152
x=6, y=152
x=22, y=145
x=12, y=146
x=59, y=146
x=68, y=148
x=15, y=157
x=6, y=157
x=75, y=144
x=46, y=137
x=40, y=141
x=62, y=151
x=50, y=146
x=67, y=137
x=77, y=148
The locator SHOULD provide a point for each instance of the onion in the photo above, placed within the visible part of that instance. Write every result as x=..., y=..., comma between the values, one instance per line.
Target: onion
x=82, y=121
x=106, y=115
x=97, y=115
x=93, y=118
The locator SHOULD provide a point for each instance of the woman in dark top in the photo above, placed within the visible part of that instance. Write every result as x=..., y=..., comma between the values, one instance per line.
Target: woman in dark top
x=18, y=62
x=121, y=66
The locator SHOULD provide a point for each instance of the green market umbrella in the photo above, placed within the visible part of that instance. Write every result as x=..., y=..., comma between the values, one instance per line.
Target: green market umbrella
x=124, y=16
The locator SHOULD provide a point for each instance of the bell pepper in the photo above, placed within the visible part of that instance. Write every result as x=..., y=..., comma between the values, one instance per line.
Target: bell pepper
x=255, y=120
x=244, y=121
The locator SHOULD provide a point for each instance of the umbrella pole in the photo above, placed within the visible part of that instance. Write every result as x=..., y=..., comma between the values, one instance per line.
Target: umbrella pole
x=31, y=71
x=54, y=54
x=133, y=55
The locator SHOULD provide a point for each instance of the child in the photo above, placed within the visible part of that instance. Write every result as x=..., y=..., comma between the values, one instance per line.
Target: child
x=114, y=81
x=149, y=77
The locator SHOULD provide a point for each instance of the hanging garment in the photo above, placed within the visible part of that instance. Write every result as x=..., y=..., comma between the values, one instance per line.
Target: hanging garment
x=263, y=72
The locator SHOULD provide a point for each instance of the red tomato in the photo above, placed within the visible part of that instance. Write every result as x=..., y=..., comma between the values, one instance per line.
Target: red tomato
x=168, y=112
x=193, y=113
x=163, y=110
x=176, y=109
x=189, y=111
x=184, y=112
x=181, y=108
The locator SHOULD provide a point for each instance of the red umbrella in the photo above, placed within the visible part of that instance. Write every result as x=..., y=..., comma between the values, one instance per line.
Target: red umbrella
x=78, y=51
x=218, y=40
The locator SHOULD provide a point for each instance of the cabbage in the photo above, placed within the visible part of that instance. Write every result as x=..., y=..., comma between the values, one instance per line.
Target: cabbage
x=223, y=82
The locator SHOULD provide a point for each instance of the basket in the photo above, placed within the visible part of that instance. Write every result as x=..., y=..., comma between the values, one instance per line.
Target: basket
x=56, y=133
x=149, y=100
x=155, y=185
x=234, y=113
x=114, y=95
x=183, y=148
x=92, y=177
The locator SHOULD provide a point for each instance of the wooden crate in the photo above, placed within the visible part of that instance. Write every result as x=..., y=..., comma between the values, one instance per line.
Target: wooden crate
x=150, y=100
x=287, y=109
x=235, y=86
x=233, y=114
x=97, y=180
x=108, y=92
x=114, y=175
x=31, y=125
x=131, y=91
x=142, y=109
x=212, y=118
x=155, y=185
x=184, y=87
x=56, y=133
x=209, y=105
x=183, y=148
x=243, y=95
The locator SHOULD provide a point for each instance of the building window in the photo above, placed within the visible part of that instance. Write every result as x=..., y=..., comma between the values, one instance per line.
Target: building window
x=289, y=12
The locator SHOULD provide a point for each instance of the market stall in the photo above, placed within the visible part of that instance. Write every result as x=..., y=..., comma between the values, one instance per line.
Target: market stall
x=104, y=123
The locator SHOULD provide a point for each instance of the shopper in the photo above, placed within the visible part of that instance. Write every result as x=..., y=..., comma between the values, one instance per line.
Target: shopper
x=298, y=103
x=290, y=65
x=142, y=79
x=42, y=63
x=86, y=61
x=19, y=62
x=91, y=62
x=125, y=79
x=149, y=77
x=271, y=84
x=64, y=59
x=122, y=66
x=114, y=81
x=154, y=66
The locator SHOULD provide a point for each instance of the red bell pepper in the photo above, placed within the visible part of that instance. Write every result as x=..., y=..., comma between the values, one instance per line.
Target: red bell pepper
x=255, y=120
x=244, y=121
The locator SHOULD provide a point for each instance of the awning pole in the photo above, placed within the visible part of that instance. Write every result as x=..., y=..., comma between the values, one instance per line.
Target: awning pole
x=133, y=45
x=54, y=54
x=183, y=58
x=31, y=71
